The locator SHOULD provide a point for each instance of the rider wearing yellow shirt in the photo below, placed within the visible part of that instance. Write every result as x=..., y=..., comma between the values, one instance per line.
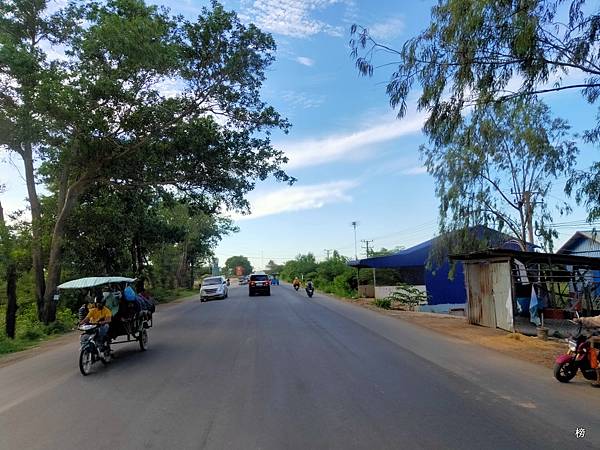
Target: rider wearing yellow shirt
x=99, y=315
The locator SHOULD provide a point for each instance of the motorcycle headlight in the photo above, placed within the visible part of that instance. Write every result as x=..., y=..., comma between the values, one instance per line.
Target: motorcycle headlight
x=572, y=345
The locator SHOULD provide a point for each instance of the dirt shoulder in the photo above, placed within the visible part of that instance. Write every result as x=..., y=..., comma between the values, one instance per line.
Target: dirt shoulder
x=516, y=345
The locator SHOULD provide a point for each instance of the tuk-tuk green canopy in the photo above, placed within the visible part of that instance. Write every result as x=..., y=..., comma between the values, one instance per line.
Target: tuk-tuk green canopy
x=90, y=282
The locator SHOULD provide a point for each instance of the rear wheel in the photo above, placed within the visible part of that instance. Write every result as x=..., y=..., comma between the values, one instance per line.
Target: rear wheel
x=86, y=359
x=565, y=372
x=143, y=340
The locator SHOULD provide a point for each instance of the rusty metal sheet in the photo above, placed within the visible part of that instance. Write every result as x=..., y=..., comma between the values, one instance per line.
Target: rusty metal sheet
x=500, y=274
x=481, y=310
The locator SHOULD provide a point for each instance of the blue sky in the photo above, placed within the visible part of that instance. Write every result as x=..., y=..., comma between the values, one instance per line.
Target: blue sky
x=353, y=159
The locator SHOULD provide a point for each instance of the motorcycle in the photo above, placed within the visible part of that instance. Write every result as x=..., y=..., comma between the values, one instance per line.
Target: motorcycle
x=310, y=292
x=91, y=351
x=296, y=287
x=576, y=358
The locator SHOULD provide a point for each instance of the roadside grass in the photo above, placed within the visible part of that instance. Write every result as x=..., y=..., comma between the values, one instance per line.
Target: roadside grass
x=162, y=295
x=30, y=332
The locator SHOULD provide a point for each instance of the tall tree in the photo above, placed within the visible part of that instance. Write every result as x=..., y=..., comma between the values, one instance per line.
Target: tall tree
x=7, y=262
x=238, y=261
x=474, y=52
x=112, y=122
x=27, y=84
x=498, y=169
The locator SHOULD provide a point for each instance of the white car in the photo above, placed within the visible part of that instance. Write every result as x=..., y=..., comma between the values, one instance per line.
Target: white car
x=213, y=287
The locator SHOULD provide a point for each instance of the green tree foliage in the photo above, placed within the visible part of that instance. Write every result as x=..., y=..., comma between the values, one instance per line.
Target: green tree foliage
x=498, y=169
x=475, y=53
x=332, y=276
x=303, y=266
x=273, y=268
x=101, y=116
x=238, y=261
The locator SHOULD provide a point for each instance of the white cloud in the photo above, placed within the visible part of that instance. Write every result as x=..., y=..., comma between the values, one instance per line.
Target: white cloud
x=387, y=30
x=417, y=170
x=305, y=61
x=291, y=17
x=297, y=198
x=312, y=152
x=302, y=100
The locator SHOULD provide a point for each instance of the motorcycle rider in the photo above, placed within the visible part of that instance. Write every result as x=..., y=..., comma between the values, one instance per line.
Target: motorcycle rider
x=296, y=282
x=309, y=286
x=99, y=315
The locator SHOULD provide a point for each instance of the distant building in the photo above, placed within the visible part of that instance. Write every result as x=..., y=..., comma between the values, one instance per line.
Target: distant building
x=582, y=243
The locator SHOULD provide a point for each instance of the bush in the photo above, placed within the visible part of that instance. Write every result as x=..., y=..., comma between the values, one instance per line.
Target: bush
x=407, y=295
x=385, y=303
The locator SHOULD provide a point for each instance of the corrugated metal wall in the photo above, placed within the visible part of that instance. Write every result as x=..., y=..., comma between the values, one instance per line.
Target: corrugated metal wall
x=585, y=247
x=489, y=292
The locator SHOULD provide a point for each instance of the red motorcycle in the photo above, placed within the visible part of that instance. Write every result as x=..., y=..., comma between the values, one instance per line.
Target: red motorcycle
x=576, y=358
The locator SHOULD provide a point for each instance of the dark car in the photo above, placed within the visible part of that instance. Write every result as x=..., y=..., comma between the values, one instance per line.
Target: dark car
x=259, y=283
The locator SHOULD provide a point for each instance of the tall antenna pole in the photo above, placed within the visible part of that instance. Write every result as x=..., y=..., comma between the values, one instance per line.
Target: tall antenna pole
x=355, y=224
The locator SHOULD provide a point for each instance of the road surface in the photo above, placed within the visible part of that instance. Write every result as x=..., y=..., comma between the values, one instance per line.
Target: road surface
x=288, y=372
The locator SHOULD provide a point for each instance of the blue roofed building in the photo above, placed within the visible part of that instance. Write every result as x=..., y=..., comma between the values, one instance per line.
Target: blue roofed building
x=412, y=266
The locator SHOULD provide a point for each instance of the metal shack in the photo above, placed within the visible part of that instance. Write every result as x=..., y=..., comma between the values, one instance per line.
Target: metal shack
x=495, y=279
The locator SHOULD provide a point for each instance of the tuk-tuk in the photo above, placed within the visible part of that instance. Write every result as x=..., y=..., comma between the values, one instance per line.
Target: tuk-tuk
x=131, y=318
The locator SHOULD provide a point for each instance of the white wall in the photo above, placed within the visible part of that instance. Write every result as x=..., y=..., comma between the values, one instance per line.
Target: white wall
x=386, y=291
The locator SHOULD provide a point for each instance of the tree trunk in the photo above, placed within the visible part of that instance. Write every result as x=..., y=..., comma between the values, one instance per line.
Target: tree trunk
x=54, y=264
x=134, y=259
x=11, y=295
x=140, y=255
x=11, y=280
x=36, y=225
x=192, y=263
x=183, y=263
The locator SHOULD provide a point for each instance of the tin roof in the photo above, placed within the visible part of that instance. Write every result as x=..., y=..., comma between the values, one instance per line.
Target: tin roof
x=530, y=257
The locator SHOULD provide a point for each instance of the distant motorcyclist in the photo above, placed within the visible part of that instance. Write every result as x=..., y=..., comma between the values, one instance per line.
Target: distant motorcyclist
x=310, y=288
x=296, y=283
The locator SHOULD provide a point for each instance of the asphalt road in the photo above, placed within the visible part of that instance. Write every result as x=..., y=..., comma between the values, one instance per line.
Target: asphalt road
x=288, y=372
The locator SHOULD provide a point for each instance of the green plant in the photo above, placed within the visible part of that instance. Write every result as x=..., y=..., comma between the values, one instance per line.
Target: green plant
x=385, y=303
x=407, y=295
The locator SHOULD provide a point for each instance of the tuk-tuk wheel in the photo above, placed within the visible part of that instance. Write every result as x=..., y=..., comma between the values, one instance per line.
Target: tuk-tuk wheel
x=143, y=340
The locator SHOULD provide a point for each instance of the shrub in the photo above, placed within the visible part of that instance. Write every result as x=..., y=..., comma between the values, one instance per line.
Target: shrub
x=385, y=303
x=408, y=295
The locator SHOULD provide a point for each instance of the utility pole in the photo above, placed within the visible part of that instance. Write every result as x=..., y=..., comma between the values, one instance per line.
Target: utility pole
x=367, y=242
x=528, y=214
x=327, y=251
x=523, y=200
x=355, y=224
